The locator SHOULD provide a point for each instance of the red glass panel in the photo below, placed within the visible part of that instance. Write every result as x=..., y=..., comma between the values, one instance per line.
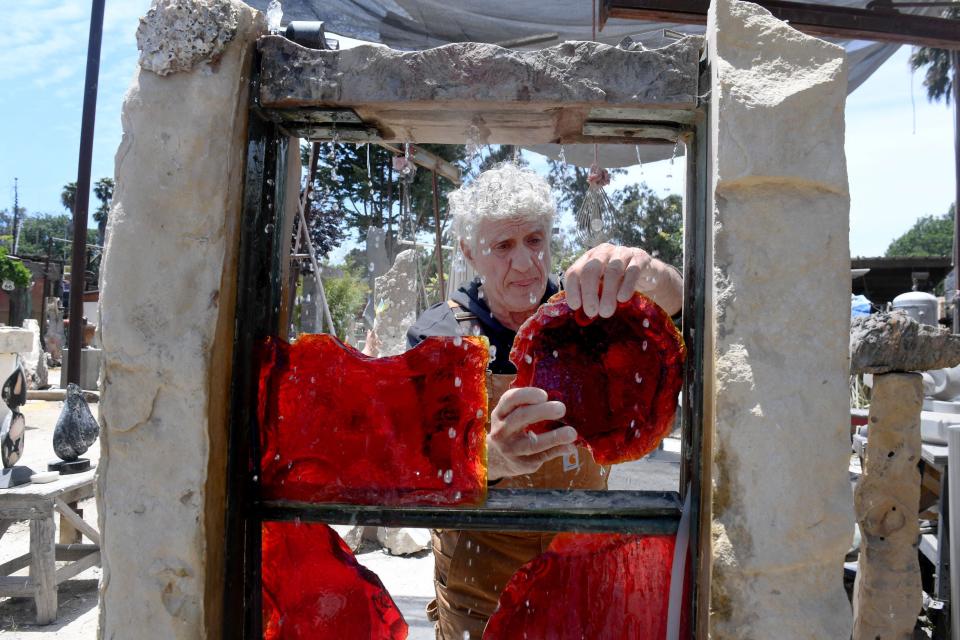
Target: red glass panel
x=597, y=586
x=339, y=426
x=619, y=377
x=313, y=587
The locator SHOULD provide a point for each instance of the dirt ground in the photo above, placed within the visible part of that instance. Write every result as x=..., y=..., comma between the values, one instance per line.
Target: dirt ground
x=77, y=612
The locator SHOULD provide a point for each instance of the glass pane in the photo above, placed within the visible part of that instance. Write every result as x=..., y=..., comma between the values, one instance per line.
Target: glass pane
x=339, y=426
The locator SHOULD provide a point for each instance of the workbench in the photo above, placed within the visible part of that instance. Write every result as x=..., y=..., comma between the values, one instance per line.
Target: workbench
x=39, y=503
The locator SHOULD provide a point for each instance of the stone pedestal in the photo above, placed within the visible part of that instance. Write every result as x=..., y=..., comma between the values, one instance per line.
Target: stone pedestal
x=886, y=599
x=782, y=512
x=89, y=368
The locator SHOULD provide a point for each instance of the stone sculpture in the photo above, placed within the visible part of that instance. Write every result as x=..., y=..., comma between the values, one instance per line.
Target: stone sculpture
x=76, y=430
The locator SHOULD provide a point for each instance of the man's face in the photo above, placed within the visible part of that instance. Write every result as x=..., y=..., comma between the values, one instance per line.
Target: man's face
x=513, y=259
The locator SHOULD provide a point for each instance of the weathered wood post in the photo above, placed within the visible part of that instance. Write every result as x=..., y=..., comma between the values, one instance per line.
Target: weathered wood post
x=887, y=595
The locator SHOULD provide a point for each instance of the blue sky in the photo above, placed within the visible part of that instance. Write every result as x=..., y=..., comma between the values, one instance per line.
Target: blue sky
x=899, y=147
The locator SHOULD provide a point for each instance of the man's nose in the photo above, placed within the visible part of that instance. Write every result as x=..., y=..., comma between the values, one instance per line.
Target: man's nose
x=522, y=259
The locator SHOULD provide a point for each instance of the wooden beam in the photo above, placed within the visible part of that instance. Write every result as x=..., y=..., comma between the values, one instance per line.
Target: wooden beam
x=815, y=19
x=78, y=523
x=427, y=160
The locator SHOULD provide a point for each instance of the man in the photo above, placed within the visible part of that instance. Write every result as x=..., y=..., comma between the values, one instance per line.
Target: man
x=503, y=221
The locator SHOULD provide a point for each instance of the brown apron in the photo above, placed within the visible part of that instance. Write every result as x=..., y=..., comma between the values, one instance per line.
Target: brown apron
x=473, y=567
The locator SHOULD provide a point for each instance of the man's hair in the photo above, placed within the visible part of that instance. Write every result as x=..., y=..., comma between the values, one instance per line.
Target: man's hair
x=505, y=192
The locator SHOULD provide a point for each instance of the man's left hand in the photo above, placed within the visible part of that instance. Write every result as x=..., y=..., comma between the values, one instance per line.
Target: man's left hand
x=608, y=274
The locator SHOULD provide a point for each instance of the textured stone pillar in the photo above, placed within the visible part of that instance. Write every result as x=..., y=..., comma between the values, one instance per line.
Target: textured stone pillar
x=887, y=595
x=168, y=291
x=782, y=512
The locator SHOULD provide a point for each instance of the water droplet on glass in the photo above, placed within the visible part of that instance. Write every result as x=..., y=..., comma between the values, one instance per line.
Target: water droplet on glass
x=632, y=422
x=452, y=433
x=448, y=476
x=644, y=345
x=457, y=341
x=274, y=15
x=556, y=354
x=276, y=457
x=563, y=156
x=638, y=378
x=486, y=251
x=540, y=256
x=646, y=323
x=493, y=351
x=527, y=358
x=532, y=437
x=533, y=298
x=479, y=413
x=457, y=381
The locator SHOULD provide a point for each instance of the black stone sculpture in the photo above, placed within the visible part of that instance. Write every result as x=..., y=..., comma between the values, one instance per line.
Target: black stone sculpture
x=76, y=430
x=13, y=429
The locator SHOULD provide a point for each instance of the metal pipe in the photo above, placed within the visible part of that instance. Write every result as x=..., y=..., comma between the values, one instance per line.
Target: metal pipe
x=955, y=63
x=78, y=264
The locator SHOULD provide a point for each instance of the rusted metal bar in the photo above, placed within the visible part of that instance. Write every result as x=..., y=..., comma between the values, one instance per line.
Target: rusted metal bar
x=955, y=63
x=78, y=264
x=816, y=19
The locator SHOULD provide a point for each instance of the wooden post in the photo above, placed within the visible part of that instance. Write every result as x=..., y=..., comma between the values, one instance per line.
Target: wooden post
x=887, y=597
x=436, y=225
x=43, y=566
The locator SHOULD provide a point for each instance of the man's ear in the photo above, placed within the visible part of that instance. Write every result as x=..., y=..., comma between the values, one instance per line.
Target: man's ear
x=467, y=253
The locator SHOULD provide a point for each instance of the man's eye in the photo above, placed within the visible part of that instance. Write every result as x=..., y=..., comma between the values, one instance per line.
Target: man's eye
x=502, y=246
x=535, y=241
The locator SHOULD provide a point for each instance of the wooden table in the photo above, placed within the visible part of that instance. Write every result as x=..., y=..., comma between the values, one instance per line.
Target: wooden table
x=38, y=503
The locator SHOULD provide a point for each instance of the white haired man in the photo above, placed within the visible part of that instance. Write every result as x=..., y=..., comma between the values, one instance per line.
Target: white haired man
x=503, y=220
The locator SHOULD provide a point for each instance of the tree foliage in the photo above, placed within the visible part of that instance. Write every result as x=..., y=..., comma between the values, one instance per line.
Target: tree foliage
x=929, y=236
x=13, y=270
x=936, y=62
x=652, y=223
x=346, y=297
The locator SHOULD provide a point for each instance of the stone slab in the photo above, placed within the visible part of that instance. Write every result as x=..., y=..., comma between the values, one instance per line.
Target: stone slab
x=781, y=503
x=885, y=342
x=15, y=340
x=166, y=316
x=463, y=90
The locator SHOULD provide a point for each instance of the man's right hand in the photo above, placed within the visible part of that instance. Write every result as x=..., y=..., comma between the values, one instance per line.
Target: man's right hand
x=514, y=451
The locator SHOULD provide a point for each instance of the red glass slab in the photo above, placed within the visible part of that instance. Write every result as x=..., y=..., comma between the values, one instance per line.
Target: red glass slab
x=597, y=586
x=339, y=426
x=619, y=377
x=313, y=587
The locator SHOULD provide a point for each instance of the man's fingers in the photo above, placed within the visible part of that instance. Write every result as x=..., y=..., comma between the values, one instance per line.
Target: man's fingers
x=590, y=286
x=514, y=398
x=525, y=415
x=612, y=277
x=536, y=460
x=531, y=443
x=572, y=286
x=631, y=278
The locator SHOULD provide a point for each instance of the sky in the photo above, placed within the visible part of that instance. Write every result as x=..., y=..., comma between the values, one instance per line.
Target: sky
x=899, y=147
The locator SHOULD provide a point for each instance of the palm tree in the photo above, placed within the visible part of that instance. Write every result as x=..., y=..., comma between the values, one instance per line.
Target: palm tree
x=937, y=63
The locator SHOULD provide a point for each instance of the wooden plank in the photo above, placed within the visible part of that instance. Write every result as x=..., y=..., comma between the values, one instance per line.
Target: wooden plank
x=77, y=567
x=14, y=586
x=70, y=552
x=626, y=114
x=43, y=568
x=816, y=19
x=14, y=565
x=427, y=160
x=79, y=523
x=317, y=132
x=68, y=534
x=640, y=131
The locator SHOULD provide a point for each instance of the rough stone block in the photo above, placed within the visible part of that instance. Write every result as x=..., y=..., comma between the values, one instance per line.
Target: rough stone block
x=395, y=295
x=887, y=594
x=15, y=340
x=35, y=360
x=403, y=541
x=894, y=341
x=781, y=504
x=166, y=316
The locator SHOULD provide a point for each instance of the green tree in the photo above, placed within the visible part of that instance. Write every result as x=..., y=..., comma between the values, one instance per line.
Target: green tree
x=652, y=223
x=38, y=233
x=346, y=297
x=103, y=190
x=936, y=63
x=929, y=236
x=68, y=196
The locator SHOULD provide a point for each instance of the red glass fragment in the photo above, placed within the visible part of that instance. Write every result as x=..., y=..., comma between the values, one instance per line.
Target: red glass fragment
x=313, y=587
x=339, y=426
x=597, y=586
x=618, y=377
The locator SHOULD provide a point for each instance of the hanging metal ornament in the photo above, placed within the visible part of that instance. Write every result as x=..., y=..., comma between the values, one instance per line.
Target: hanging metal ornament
x=595, y=217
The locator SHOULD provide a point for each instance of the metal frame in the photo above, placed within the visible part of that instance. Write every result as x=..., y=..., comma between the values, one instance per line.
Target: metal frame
x=884, y=24
x=257, y=316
